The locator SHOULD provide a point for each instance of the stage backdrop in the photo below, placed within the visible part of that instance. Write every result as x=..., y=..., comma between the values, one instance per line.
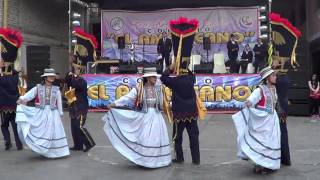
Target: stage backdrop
x=219, y=92
x=146, y=27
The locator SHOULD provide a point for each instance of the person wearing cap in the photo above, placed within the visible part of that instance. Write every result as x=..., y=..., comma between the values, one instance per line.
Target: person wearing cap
x=40, y=127
x=258, y=126
x=135, y=126
x=184, y=108
x=11, y=41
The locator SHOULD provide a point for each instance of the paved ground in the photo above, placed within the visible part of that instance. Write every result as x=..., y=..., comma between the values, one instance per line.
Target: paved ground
x=218, y=157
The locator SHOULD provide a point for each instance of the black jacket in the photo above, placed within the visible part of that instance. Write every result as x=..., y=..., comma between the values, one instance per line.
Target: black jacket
x=260, y=52
x=80, y=85
x=183, y=94
x=9, y=92
x=247, y=55
x=164, y=48
x=233, y=50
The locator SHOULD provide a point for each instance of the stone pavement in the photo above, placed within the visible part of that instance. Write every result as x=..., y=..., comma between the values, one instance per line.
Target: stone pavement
x=218, y=157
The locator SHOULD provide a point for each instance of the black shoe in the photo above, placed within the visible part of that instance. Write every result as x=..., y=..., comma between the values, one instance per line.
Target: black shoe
x=87, y=148
x=177, y=161
x=8, y=147
x=19, y=148
x=75, y=149
x=286, y=163
x=196, y=162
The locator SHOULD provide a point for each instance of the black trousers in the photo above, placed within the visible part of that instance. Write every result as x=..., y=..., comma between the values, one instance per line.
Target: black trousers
x=234, y=66
x=80, y=135
x=6, y=119
x=193, y=132
x=282, y=86
x=285, y=151
x=244, y=66
x=314, y=106
x=259, y=64
x=166, y=58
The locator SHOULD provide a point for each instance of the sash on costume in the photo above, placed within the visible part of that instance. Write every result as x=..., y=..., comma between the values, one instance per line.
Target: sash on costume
x=202, y=110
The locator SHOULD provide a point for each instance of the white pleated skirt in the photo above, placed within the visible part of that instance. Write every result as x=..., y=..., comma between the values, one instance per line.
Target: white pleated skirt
x=42, y=131
x=258, y=137
x=140, y=137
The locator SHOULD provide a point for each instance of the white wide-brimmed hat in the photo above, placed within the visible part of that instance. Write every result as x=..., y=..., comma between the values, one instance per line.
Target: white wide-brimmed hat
x=151, y=71
x=49, y=72
x=265, y=72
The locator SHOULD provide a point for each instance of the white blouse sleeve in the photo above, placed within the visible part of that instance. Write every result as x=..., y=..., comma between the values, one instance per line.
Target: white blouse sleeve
x=255, y=96
x=59, y=103
x=31, y=94
x=127, y=99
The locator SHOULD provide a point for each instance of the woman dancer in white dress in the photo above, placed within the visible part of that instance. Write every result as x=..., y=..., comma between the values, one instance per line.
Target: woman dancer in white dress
x=140, y=135
x=258, y=126
x=40, y=127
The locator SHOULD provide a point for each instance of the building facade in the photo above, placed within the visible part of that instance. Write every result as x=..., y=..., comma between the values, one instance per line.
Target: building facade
x=44, y=26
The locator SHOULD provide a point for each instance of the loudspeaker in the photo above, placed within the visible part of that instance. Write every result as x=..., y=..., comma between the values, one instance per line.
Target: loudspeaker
x=299, y=102
x=121, y=42
x=298, y=79
x=103, y=68
x=206, y=43
x=298, y=93
x=203, y=68
x=128, y=69
x=299, y=109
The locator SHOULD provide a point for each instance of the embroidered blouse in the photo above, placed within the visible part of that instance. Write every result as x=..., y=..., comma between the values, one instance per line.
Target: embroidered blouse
x=45, y=96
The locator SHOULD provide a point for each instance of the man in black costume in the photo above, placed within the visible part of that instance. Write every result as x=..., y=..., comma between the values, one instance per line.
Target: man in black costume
x=184, y=108
x=77, y=91
x=11, y=40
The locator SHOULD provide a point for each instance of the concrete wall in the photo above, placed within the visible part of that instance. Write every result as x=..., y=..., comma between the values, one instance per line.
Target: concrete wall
x=43, y=23
x=313, y=16
x=292, y=10
x=58, y=59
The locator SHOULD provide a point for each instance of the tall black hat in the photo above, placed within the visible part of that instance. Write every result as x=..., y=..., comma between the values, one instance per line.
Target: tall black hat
x=11, y=41
x=183, y=31
x=85, y=48
x=285, y=38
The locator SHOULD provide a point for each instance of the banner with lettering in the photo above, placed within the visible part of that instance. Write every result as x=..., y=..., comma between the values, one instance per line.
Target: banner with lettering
x=220, y=93
x=143, y=30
